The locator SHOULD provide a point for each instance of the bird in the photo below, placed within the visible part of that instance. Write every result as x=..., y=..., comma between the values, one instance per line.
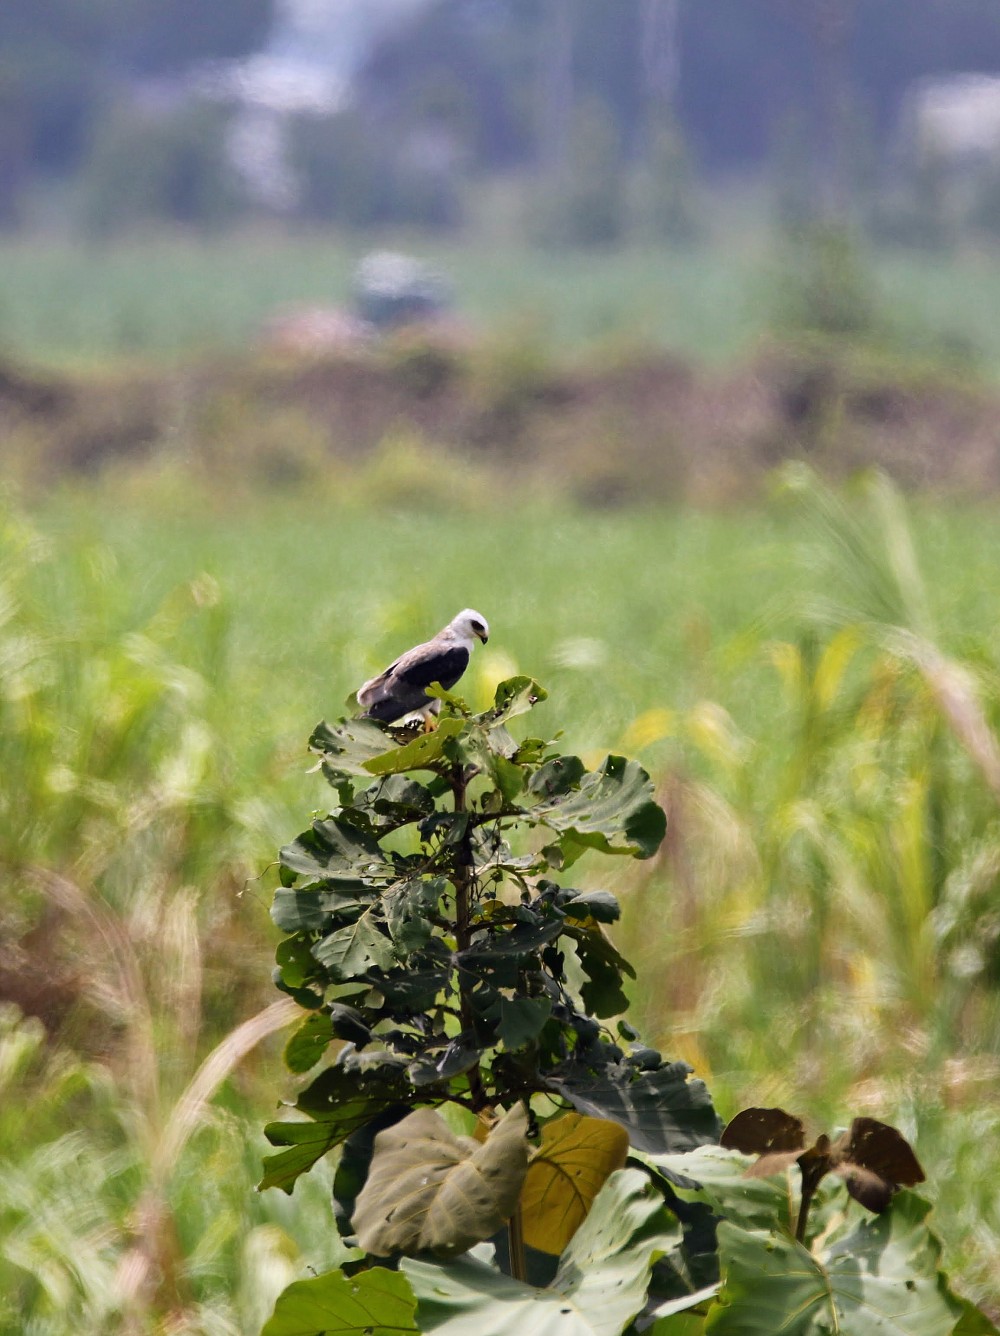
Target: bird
x=401, y=689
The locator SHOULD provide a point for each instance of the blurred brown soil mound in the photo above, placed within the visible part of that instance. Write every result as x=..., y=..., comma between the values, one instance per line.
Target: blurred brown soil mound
x=626, y=429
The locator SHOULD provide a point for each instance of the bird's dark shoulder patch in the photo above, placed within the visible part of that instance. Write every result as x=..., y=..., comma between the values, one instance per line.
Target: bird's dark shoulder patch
x=445, y=668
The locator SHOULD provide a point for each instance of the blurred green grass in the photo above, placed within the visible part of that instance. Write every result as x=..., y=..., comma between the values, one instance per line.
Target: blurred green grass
x=166, y=296
x=819, y=932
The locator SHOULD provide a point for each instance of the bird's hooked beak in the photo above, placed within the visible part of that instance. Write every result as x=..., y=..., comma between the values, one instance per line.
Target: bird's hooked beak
x=482, y=636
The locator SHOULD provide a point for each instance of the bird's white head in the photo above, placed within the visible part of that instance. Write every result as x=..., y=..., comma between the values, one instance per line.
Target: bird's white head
x=470, y=623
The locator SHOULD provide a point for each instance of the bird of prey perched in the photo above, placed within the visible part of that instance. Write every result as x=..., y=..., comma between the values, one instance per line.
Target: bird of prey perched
x=401, y=689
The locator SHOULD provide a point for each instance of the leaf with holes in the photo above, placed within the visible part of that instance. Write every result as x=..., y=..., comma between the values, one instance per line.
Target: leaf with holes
x=346, y=745
x=377, y=1302
x=350, y=951
x=424, y=753
x=661, y=1110
x=611, y=809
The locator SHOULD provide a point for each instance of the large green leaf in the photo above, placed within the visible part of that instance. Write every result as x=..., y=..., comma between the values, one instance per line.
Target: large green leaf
x=335, y=851
x=307, y=1142
x=430, y=1191
x=420, y=754
x=309, y=1042
x=394, y=801
x=718, y=1178
x=377, y=1302
x=350, y=951
x=346, y=745
x=599, y=1287
x=661, y=1110
x=611, y=809
x=880, y=1280
x=339, y=1101
x=295, y=910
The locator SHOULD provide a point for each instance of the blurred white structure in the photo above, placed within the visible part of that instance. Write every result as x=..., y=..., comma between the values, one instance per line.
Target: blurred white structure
x=308, y=67
x=956, y=118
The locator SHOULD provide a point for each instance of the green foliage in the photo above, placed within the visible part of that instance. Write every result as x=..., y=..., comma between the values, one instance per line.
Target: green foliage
x=887, y=1268
x=426, y=926
x=819, y=802
x=447, y=945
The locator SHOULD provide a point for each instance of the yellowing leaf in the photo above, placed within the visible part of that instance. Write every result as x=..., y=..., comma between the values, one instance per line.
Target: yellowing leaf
x=430, y=1191
x=575, y=1159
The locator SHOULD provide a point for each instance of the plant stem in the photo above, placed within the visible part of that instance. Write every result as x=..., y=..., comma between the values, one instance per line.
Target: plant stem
x=464, y=881
x=515, y=1243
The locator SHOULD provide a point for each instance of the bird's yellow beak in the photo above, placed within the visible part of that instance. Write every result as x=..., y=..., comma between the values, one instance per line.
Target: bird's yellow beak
x=483, y=636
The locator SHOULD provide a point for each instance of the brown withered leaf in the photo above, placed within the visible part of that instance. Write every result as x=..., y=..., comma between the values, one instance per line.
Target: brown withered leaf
x=765, y=1132
x=874, y=1160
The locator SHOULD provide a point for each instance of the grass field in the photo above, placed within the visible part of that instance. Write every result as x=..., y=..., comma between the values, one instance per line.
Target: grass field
x=821, y=930
x=161, y=296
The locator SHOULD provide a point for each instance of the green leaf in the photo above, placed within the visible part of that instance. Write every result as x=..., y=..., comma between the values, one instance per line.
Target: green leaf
x=296, y=960
x=304, y=910
x=335, y=851
x=599, y=1287
x=420, y=754
x=677, y=1324
x=560, y=775
x=395, y=801
x=338, y=1102
x=508, y=777
x=717, y=1177
x=883, y=1277
x=611, y=809
x=377, y=1302
x=408, y=910
x=346, y=745
x=350, y=951
x=973, y=1321
x=661, y=1110
x=602, y=994
x=521, y=1019
x=515, y=696
x=428, y=1190
x=601, y=906
x=307, y=1142
x=308, y=1044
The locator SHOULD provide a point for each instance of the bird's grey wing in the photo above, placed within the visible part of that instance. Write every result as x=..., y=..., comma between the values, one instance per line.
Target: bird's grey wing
x=402, y=687
x=431, y=663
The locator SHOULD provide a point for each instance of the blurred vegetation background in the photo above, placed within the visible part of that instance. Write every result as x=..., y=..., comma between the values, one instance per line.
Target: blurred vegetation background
x=689, y=382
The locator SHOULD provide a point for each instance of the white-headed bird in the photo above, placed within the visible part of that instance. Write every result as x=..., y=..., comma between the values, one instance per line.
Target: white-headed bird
x=402, y=688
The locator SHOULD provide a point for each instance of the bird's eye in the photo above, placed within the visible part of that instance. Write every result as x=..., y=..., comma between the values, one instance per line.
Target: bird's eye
x=478, y=626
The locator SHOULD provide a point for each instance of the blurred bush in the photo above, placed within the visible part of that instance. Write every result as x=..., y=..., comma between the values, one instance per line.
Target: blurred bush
x=145, y=167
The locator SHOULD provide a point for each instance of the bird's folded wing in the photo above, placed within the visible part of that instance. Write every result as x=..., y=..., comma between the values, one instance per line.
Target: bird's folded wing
x=419, y=668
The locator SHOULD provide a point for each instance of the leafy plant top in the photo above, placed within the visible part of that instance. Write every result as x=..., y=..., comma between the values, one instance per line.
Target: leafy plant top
x=429, y=942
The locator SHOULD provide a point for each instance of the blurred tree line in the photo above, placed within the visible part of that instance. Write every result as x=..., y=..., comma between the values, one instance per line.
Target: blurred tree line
x=613, y=108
